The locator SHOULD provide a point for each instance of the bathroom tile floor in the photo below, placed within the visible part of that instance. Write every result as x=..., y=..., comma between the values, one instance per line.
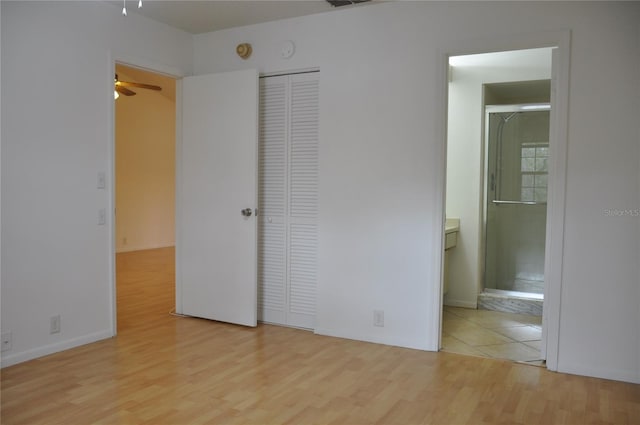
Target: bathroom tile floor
x=495, y=334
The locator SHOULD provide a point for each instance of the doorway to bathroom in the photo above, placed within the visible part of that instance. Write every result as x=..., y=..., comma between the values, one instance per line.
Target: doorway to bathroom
x=497, y=162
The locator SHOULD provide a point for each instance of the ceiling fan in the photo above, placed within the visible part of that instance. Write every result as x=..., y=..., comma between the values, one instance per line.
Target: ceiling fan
x=120, y=87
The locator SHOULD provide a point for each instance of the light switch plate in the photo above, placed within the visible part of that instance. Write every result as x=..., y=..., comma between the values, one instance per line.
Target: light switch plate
x=102, y=216
x=102, y=180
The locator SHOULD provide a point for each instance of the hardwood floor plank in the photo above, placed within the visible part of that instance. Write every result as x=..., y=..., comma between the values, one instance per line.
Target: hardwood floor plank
x=163, y=369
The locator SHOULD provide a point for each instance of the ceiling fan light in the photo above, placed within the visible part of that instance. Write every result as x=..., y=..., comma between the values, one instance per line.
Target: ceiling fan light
x=124, y=11
x=116, y=95
x=139, y=4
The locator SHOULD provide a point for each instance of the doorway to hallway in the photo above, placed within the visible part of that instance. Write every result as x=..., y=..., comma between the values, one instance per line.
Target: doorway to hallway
x=144, y=189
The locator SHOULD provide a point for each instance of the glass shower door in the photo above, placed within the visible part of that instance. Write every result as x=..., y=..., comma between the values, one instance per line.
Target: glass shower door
x=517, y=151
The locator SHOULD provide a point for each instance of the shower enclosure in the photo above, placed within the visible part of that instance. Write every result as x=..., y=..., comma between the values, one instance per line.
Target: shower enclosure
x=516, y=165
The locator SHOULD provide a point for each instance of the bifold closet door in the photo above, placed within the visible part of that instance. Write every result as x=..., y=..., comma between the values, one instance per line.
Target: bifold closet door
x=288, y=200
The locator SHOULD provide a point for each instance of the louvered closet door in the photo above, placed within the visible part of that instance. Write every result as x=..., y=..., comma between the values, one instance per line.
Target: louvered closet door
x=303, y=199
x=288, y=233
x=272, y=196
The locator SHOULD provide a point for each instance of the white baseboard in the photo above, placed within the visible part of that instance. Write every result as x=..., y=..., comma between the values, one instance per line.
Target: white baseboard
x=34, y=353
x=602, y=373
x=374, y=339
x=142, y=248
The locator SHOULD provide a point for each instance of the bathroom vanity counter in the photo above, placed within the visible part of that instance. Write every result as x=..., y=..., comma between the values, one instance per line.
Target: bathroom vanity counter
x=452, y=225
x=451, y=229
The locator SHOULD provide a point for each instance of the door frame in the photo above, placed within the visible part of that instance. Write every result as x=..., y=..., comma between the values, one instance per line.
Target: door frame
x=561, y=40
x=112, y=60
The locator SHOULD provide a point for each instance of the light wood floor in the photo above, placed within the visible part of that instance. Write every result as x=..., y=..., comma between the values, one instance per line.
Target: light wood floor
x=163, y=369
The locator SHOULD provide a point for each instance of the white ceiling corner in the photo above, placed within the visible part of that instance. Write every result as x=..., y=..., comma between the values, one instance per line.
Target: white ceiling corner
x=203, y=16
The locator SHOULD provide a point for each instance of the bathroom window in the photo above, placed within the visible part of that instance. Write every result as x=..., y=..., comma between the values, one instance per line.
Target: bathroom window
x=534, y=169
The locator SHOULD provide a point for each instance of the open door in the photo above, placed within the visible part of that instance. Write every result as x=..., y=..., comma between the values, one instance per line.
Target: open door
x=217, y=246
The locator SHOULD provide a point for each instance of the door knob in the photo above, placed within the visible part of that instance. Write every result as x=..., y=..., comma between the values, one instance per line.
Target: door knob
x=246, y=212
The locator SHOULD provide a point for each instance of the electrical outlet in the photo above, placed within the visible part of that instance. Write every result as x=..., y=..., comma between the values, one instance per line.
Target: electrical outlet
x=378, y=318
x=55, y=324
x=6, y=341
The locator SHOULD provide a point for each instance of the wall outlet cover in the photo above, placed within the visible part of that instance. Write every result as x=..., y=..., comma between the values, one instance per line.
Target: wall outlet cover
x=6, y=341
x=55, y=324
x=378, y=318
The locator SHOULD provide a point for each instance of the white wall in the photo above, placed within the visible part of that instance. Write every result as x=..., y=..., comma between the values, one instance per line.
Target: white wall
x=464, y=155
x=381, y=162
x=1, y=175
x=0, y=171
x=145, y=163
x=57, y=95
x=380, y=156
x=601, y=290
x=377, y=190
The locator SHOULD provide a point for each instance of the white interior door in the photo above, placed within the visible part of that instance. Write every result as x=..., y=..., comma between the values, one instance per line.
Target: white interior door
x=217, y=245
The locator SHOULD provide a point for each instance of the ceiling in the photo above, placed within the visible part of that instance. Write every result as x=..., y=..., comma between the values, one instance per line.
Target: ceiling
x=198, y=17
